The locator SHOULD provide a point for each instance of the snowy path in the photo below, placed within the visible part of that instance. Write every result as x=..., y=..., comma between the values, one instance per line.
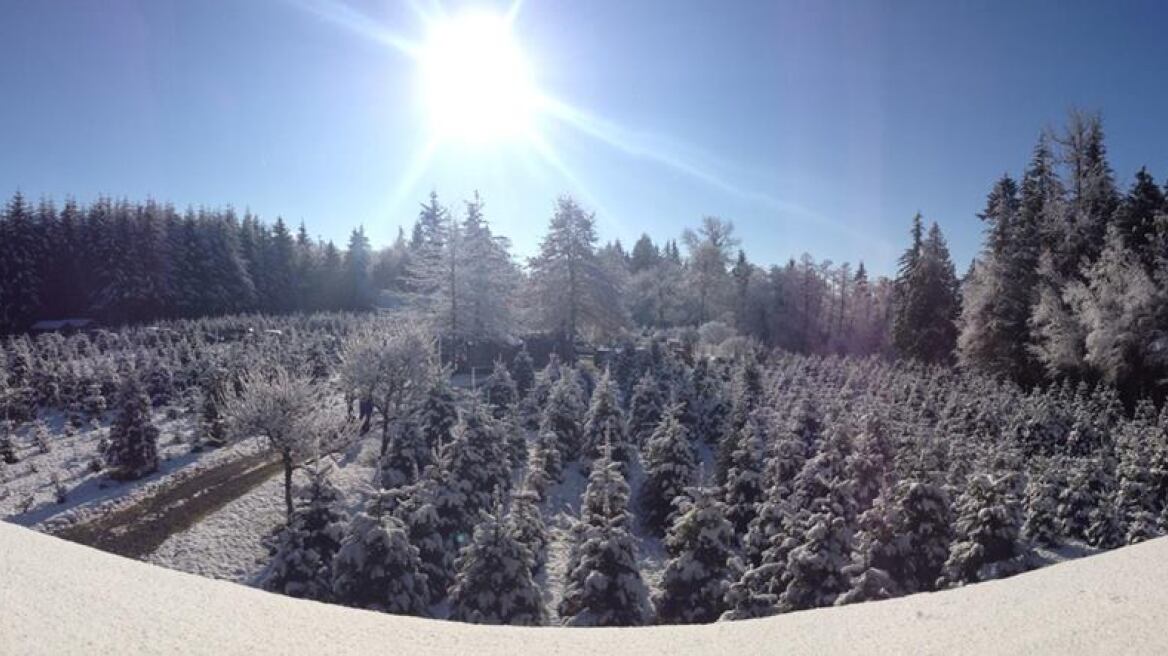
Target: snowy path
x=227, y=543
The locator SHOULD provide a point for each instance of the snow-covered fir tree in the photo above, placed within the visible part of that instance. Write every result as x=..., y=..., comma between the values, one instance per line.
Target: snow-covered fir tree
x=475, y=460
x=645, y=409
x=376, y=567
x=408, y=455
x=815, y=574
x=563, y=415
x=432, y=513
x=544, y=465
x=670, y=467
x=603, y=422
x=494, y=584
x=698, y=575
x=133, y=449
x=1045, y=485
x=987, y=531
x=745, y=486
x=523, y=372
x=525, y=522
x=306, y=545
x=604, y=587
x=500, y=391
x=438, y=413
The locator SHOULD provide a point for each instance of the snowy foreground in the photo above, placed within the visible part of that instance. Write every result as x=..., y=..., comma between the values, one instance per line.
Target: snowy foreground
x=59, y=597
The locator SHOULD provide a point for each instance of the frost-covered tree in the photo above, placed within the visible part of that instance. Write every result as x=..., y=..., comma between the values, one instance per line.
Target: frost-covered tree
x=390, y=368
x=376, y=567
x=1000, y=292
x=574, y=292
x=282, y=407
x=1123, y=312
x=698, y=575
x=490, y=278
x=133, y=438
x=306, y=545
x=670, y=468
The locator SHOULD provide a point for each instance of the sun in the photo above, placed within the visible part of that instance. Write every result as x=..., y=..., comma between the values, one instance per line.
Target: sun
x=476, y=84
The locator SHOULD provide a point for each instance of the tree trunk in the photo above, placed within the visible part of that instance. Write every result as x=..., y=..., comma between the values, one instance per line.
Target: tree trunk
x=384, y=433
x=288, y=465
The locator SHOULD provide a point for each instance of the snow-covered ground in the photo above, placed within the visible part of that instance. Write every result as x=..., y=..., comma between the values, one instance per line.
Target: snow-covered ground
x=28, y=493
x=228, y=543
x=58, y=597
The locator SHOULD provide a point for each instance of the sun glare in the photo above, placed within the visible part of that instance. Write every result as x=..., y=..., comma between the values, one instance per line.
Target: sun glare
x=476, y=84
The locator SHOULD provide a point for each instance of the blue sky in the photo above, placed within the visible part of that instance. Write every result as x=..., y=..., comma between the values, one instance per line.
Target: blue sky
x=815, y=126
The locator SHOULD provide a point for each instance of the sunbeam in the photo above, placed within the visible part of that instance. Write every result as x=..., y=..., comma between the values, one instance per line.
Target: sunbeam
x=419, y=165
x=345, y=16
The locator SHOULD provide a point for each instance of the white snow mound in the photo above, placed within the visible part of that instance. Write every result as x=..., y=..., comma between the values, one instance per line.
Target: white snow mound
x=57, y=597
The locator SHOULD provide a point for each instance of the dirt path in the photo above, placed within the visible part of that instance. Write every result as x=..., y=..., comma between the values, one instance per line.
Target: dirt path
x=137, y=530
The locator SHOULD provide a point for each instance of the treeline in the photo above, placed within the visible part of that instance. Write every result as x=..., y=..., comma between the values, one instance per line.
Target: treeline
x=1072, y=281
x=1073, y=277
x=128, y=262
x=125, y=262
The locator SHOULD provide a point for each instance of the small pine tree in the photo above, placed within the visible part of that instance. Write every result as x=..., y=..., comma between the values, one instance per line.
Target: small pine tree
x=525, y=522
x=523, y=372
x=605, y=587
x=212, y=425
x=988, y=527
x=544, y=467
x=407, y=455
x=816, y=569
x=603, y=422
x=670, y=468
x=376, y=567
x=563, y=415
x=923, y=517
x=1042, y=499
x=494, y=584
x=475, y=460
x=7, y=444
x=133, y=449
x=698, y=576
x=438, y=414
x=423, y=507
x=305, y=547
x=645, y=409
x=500, y=391
x=744, y=488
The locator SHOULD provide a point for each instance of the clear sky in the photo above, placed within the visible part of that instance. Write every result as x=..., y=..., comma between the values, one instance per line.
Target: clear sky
x=815, y=126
